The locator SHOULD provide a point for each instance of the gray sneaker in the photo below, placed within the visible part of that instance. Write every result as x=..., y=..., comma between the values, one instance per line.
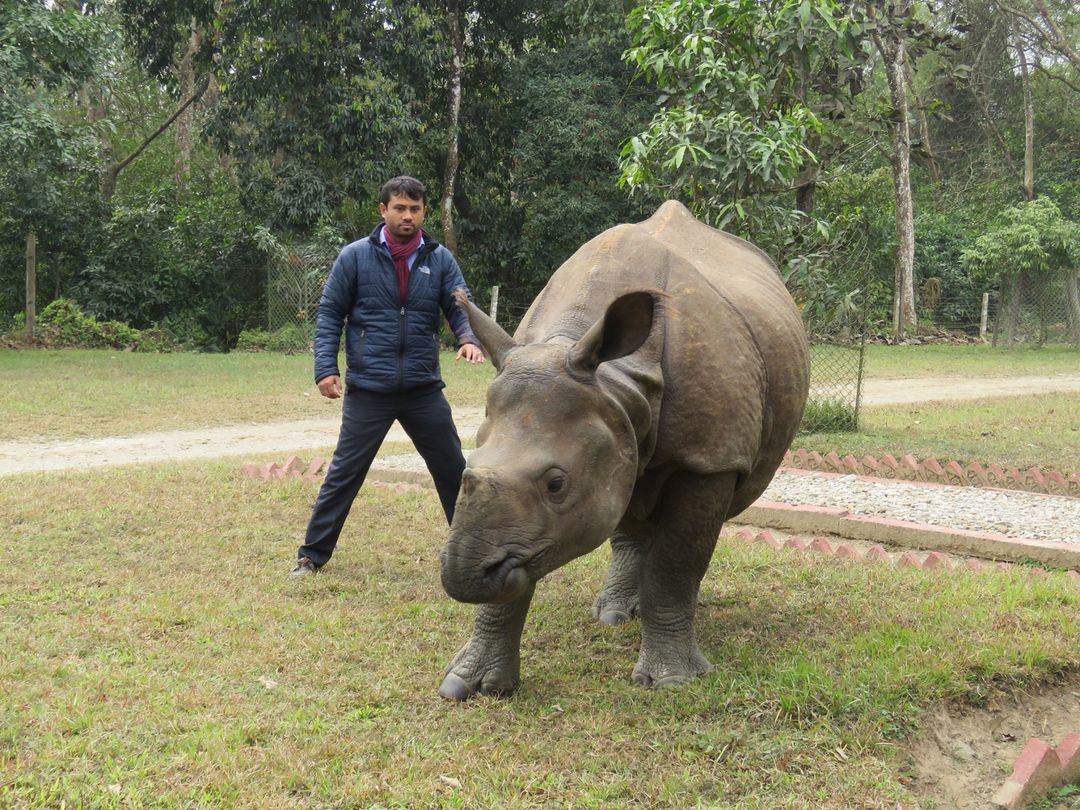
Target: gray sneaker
x=305, y=568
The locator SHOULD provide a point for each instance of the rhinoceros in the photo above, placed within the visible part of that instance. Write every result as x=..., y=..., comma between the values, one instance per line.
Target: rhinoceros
x=648, y=395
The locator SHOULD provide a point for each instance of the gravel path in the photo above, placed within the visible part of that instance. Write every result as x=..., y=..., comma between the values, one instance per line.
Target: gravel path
x=1014, y=514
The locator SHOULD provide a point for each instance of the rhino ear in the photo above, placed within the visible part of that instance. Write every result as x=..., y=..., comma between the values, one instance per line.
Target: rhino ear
x=495, y=341
x=623, y=329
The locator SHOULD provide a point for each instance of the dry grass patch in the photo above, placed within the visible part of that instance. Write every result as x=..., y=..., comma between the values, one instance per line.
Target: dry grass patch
x=156, y=654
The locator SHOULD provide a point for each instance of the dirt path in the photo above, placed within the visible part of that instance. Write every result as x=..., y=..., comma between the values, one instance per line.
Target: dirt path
x=927, y=389
x=285, y=437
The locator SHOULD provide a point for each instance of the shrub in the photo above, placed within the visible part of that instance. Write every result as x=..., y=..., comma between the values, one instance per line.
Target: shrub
x=252, y=340
x=155, y=341
x=67, y=325
x=291, y=339
x=828, y=416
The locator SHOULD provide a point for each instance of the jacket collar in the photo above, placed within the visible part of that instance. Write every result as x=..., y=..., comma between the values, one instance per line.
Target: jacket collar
x=428, y=245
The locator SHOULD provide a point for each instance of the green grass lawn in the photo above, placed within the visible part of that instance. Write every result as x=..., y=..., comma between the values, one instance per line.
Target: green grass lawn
x=968, y=360
x=88, y=393
x=156, y=655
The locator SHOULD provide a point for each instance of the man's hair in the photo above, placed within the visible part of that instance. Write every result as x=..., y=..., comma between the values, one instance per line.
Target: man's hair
x=403, y=185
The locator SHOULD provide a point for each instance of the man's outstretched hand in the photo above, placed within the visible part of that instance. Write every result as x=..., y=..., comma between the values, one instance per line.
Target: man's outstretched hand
x=330, y=387
x=471, y=352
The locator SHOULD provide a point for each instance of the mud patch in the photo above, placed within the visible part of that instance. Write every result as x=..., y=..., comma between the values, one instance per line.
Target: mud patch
x=964, y=754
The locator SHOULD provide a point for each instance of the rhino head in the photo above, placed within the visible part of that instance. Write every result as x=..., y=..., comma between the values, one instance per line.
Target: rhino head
x=556, y=456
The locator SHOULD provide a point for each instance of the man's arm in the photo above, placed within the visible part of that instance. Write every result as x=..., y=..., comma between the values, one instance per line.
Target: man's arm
x=334, y=306
x=468, y=345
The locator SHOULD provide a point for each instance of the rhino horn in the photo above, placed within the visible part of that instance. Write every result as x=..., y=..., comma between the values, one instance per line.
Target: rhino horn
x=624, y=328
x=495, y=341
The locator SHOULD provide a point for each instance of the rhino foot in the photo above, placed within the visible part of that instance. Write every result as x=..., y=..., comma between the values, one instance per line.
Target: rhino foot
x=454, y=687
x=660, y=673
x=474, y=673
x=613, y=611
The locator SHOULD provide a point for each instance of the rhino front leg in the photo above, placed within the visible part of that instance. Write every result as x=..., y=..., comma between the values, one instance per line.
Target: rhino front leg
x=618, y=601
x=688, y=521
x=490, y=663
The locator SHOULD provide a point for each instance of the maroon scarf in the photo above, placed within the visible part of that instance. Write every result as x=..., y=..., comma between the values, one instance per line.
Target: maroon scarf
x=400, y=253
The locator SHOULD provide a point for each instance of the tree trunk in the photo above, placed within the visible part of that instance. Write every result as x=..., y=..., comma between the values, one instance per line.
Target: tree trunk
x=1072, y=306
x=455, y=22
x=924, y=127
x=185, y=122
x=31, y=283
x=1029, y=125
x=890, y=44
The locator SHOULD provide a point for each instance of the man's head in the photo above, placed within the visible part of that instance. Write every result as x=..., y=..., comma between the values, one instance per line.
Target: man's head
x=403, y=205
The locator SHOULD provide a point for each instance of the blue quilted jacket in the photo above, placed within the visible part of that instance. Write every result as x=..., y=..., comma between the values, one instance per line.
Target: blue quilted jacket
x=388, y=347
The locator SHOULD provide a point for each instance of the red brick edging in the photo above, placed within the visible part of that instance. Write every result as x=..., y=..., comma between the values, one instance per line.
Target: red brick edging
x=1038, y=770
x=933, y=560
x=908, y=467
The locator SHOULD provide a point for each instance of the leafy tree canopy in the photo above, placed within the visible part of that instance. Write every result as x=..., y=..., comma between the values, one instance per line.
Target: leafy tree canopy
x=735, y=79
x=1033, y=237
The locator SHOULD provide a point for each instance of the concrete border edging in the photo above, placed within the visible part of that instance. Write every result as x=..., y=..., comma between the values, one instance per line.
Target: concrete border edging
x=840, y=522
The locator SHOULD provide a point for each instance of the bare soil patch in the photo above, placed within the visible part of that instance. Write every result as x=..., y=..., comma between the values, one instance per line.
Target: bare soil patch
x=964, y=754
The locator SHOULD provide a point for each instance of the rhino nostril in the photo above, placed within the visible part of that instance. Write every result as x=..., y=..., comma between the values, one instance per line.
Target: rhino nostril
x=494, y=572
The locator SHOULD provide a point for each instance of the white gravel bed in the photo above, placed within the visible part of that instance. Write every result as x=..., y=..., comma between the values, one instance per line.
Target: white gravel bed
x=1014, y=514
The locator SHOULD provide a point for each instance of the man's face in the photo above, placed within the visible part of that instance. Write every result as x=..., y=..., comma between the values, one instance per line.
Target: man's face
x=403, y=216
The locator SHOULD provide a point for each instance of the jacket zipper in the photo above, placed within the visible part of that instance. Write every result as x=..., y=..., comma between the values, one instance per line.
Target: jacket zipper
x=401, y=350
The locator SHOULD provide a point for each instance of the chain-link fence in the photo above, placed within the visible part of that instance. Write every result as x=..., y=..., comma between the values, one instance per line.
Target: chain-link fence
x=1035, y=310
x=295, y=276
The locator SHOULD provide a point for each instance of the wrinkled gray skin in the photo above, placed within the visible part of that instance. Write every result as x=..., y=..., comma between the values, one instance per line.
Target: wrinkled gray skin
x=648, y=395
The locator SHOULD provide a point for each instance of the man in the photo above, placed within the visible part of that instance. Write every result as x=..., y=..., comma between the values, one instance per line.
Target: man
x=388, y=291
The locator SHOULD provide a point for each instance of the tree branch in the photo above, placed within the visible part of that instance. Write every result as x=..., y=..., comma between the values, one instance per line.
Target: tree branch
x=1058, y=77
x=108, y=183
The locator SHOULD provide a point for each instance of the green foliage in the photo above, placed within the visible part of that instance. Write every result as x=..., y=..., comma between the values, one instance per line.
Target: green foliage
x=291, y=339
x=554, y=184
x=828, y=416
x=67, y=325
x=184, y=260
x=1031, y=237
x=45, y=54
x=319, y=103
x=734, y=121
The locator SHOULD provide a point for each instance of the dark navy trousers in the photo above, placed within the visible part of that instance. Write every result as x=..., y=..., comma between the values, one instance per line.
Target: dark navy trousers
x=366, y=418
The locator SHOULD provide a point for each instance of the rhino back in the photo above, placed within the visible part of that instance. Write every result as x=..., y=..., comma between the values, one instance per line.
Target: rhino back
x=725, y=370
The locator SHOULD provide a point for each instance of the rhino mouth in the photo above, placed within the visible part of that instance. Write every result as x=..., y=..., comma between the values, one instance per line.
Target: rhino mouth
x=500, y=579
x=508, y=579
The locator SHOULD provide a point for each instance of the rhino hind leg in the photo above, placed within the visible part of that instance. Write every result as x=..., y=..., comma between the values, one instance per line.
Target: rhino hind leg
x=618, y=601
x=490, y=662
x=687, y=522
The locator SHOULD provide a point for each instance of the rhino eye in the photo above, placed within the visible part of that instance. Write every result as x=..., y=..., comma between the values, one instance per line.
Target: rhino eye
x=555, y=483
